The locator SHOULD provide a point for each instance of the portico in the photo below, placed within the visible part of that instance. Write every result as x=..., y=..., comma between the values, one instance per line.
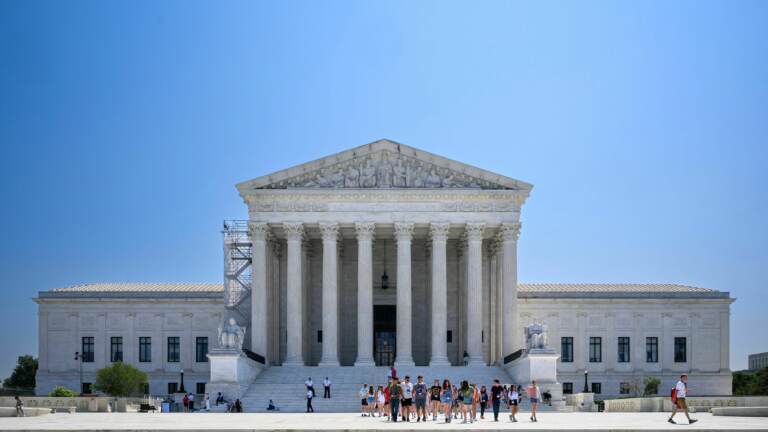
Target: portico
x=339, y=226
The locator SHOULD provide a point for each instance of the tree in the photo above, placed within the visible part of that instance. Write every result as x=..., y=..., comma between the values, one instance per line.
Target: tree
x=651, y=386
x=23, y=375
x=120, y=379
x=60, y=391
x=751, y=383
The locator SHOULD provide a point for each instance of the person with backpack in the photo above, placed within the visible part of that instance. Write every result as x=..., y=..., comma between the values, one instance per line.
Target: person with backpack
x=420, y=399
x=395, y=394
x=679, y=392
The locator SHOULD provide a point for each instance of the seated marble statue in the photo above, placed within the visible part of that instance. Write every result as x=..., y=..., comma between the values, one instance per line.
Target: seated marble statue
x=231, y=335
x=536, y=336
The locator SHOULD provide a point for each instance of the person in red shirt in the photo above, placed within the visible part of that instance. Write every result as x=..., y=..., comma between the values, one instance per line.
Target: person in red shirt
x=386, y=401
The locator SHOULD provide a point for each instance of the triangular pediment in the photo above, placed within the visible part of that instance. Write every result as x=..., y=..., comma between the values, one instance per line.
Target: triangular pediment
x=383, y=164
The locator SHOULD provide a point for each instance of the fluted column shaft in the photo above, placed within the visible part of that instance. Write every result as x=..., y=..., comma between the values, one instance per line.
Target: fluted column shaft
x=364, y=232
x=294, y=233
x=509, y=234
x=330, y=233
x=439, y=357
x=475, y=292
x=403, y=235
x=259, y=232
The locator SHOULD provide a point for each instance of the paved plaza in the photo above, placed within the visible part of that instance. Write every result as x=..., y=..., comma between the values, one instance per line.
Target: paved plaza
x=351, y=421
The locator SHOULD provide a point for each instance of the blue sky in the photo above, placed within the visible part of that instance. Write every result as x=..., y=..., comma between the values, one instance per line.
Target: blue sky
x=125, y=125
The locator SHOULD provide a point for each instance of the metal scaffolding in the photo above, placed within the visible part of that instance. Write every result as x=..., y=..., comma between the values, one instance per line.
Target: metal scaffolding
x=237, y=269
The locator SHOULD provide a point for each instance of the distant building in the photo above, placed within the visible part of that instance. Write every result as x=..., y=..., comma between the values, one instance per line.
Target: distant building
x=758, y=361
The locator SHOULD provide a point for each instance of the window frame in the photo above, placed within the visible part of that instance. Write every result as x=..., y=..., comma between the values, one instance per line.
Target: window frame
x=145, y=349
x=567, y=388
x=597, y=386
x=681, y=355
x=87, y=349
x=651, y=349
x=115, y=349
x=174, y=355
x=201, y=341
x=595, y=349
x=624, y=349
x=566, y=349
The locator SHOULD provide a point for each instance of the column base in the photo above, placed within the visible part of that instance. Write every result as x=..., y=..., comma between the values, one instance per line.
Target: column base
x=365, y=362
x=294, y=362
x=404, y=362
x=439, y=361
x=329, y=362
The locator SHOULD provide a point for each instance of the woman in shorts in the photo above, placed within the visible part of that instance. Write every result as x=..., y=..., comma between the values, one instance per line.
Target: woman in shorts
x=371, y=399
x=380, y=400
x=447, y=398
x=434, y=399
x=513, y=397
x=535, y=395
x=363, y=399
x=467, y=396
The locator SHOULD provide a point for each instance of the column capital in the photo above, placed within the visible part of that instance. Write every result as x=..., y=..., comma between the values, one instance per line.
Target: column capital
x=259, y=230
x=403, y=231
x=439, y=230
x=293, y=230
x=509, y=231
x=365, y=230
x=475, y=231
x=329, y=231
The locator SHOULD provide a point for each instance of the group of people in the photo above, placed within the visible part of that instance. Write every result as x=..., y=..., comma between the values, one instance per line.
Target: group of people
x=405, y=400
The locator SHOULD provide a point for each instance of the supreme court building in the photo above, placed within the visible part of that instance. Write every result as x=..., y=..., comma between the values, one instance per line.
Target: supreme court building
x=385, y=254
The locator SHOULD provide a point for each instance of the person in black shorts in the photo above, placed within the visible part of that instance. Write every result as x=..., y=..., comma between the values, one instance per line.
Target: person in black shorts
x=434, y=399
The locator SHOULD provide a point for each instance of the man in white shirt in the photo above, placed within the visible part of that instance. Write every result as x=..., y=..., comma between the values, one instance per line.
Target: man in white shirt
x=327, y=388
x=310, y=385
x=681, y=391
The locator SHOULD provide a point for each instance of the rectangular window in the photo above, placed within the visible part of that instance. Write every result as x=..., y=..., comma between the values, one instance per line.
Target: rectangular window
x=145, y=349
x=173, y=349
x=652, y=349
x=85, y=388
x=623, y=349
x=201, y=349
x=449, y=336
x=566, y=349
x=115, y=349
x=680, y=354
x=597, y=388
x=595, y=349
x=624, y=388
x=200, y=388
x=173, y=387
x=319, y=336
x=567, y=388
x=87, y=349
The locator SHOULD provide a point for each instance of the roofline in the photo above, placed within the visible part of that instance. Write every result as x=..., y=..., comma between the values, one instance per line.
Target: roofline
x=381, y=144
x=650, y=295
x=42, y=295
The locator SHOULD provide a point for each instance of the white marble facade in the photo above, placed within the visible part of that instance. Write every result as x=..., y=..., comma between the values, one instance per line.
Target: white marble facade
x=446, y=234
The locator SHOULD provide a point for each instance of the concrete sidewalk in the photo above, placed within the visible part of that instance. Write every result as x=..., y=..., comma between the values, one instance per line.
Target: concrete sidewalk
x=351, y=421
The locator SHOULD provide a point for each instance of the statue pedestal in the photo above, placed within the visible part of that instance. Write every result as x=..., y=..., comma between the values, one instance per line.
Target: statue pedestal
x=539, y=365
x=231, y=373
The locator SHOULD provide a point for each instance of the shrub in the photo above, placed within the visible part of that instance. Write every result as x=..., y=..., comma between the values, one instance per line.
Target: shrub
x=60, y=391
x=651, y=385
x=120, y=379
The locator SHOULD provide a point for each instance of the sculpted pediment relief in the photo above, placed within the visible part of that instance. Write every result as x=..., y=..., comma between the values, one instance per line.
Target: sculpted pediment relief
x=383, y=164
x=384, y=170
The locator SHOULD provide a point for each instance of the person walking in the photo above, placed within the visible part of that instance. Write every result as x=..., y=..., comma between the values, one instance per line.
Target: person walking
x=465, y=398
x=447, y=398
x=395, y=394
x=483, y=401
x=475, y=400
x=327, y=388
x=310, y=395
x=207, y=401
x=514, y=398
x=534, y=394
x=678, y=403
x=19, y=406
x=420, y=398
x=496, y=390
x=310, y=385
x=434, y=399
x=191, y=402
x=185, y=402
x=387, y=401
x=381, y=400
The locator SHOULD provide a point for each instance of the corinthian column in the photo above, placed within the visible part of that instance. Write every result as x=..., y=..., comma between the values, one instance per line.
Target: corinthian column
x=475, y=292
x=364, y=232
x=294, y=233
x=330, y=233
x=439, y=233
x=403, y=235
x=508, y=235
x=259, y=232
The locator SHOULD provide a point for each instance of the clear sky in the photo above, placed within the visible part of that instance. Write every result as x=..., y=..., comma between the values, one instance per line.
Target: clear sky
x=125, y=125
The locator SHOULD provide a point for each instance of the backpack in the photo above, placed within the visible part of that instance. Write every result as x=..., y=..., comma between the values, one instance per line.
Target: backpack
x=673, y=396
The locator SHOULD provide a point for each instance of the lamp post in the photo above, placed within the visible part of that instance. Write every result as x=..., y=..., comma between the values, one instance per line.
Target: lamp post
x=586, y=388
x=181, y=389
x=79, y=360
